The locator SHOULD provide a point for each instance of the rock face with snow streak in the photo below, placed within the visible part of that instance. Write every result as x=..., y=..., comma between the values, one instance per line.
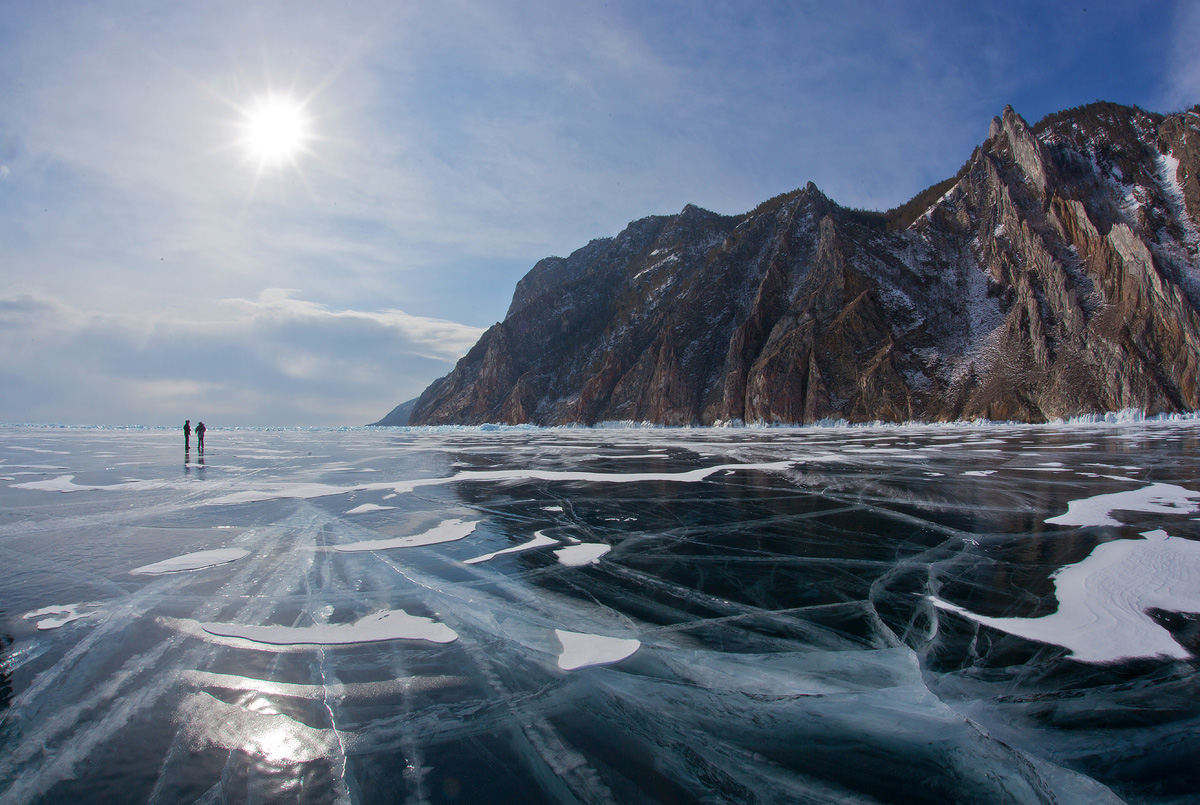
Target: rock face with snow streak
x=1056, y=274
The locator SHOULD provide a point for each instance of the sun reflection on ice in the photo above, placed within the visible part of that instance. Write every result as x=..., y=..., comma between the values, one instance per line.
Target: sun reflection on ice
x=275, y=741
x=276, y=745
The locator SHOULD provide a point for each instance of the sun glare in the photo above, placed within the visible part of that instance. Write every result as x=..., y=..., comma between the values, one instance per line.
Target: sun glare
x=275, y=130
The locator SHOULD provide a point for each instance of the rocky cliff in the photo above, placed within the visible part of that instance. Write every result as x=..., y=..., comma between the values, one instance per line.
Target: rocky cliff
x=1056, y=274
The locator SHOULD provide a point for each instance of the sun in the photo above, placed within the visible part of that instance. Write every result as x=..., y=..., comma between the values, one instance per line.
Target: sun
x=275, y=130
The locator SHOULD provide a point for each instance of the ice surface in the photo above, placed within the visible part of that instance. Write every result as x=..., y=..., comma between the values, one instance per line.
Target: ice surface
x=838, y=615
x=192, y=561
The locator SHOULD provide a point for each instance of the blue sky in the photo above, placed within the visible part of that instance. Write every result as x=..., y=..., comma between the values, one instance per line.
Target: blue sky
x=153, y=269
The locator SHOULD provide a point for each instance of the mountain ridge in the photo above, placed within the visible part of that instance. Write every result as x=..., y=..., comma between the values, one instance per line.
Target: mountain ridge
x=1056, y=274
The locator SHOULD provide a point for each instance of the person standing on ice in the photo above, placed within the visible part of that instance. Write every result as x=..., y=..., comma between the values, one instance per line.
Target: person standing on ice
x=187, y=435
x=200, y=436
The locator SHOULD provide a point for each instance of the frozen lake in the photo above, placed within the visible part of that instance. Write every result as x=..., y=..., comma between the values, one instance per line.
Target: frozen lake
x=905, y=615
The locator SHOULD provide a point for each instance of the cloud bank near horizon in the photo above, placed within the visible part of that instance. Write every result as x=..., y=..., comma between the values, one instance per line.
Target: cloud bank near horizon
x=276, y=353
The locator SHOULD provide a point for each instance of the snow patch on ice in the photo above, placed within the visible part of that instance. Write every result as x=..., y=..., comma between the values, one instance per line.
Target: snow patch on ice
x=369, y=507
x=192, y=561
x=316, y=490
x=295, y=491
x=55, y=616
x=1104, y=601
x=585, y=553
x=1154, y=499
x=66, y=483
x=539, y=540
x=358, y=691
x=395, y=624
x=446, y=531
x=586, y=650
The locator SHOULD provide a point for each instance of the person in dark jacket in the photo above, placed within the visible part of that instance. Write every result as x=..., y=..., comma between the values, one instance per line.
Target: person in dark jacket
x=200, y=436
x=187, y=435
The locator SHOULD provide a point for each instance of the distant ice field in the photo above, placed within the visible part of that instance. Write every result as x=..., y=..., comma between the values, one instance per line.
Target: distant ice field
x=987, y=613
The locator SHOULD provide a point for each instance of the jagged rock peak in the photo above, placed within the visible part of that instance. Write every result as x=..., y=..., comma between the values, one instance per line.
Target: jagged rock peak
x=1056, y=274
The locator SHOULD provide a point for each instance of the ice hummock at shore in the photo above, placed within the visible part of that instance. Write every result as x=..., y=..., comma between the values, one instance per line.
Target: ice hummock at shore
x=877, y=614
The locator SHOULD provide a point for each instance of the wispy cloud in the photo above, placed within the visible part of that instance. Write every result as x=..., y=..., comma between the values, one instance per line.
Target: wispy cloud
x=276, y=308
x=1182, y=88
